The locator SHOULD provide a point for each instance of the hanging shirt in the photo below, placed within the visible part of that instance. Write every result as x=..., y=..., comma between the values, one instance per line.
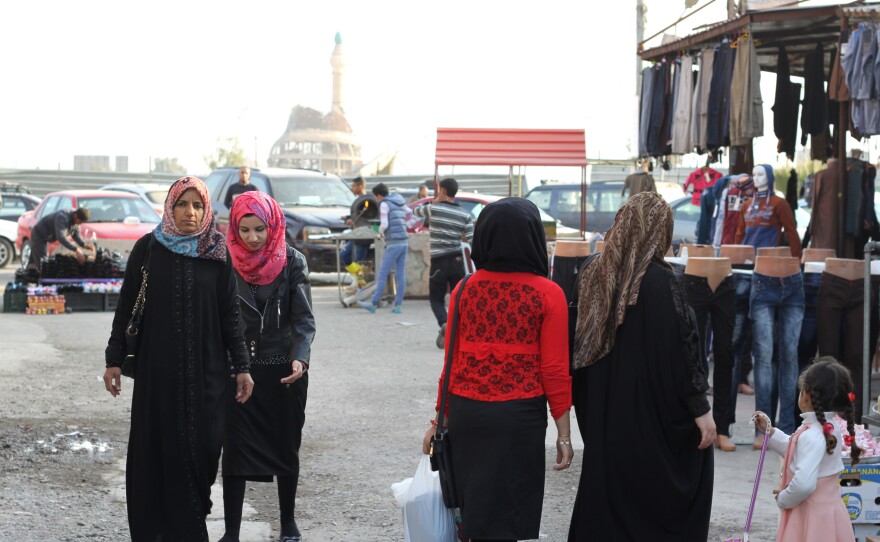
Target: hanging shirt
x=701, y=179
x=765, y=217
x=734, y=203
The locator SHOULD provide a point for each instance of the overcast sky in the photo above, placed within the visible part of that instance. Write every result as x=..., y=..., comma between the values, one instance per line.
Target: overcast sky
x=167, y=79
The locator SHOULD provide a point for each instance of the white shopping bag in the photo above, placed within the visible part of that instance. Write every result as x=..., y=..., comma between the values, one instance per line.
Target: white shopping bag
x=425, y=518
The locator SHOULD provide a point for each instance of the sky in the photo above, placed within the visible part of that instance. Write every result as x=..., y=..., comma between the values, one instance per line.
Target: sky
x=165, y=79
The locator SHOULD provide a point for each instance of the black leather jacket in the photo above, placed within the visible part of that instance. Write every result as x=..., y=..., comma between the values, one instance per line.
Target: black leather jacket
x=280, y=319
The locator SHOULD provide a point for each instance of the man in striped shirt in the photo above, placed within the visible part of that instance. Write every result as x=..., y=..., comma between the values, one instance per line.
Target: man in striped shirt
x=449, y=225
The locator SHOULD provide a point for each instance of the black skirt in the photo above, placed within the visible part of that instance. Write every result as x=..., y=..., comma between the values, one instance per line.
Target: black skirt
x=263, y=435
x=499, y=461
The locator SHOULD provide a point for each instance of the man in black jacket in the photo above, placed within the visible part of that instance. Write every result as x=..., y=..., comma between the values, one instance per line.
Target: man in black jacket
x=61, y=226
x=243, y=185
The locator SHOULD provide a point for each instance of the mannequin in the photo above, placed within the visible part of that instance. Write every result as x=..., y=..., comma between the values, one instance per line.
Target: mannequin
x=714, y=270
x=777, y=266
x=767, y=216
x=840, y=318
x=777, y=313
x=697, y=251
x=817, y=254
x=572, y=249
x=710, y=291
x=774, y=251
x=852, y=270
x=738, y=254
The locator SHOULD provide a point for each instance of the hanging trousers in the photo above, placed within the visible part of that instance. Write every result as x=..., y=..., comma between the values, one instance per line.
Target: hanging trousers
x=776, y=300
x=719, y=307
x=808, y=343
x=840, y=321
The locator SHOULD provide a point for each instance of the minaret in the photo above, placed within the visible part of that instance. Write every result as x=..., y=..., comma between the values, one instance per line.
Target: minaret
x=338, y=64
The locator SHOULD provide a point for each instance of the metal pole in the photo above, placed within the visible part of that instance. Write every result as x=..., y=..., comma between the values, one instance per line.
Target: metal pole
x=870, y=247
x=640, y=35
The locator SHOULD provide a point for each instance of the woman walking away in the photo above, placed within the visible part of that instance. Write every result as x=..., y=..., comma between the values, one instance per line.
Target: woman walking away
x=809, y=499
x=263, y=437
x=190, y=321
x=510, y=360
x=639, y=390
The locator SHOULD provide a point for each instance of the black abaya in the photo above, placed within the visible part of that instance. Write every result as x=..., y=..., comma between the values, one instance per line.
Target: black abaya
x=643, y=477
x=191, y=317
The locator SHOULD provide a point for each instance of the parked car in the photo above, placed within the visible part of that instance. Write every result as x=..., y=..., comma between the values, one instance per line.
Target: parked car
x=153, y=192
x=8, y=231
x=313, y=202
x=563, y=202
x=16, y=204
x=475, y=203
x=118, y=219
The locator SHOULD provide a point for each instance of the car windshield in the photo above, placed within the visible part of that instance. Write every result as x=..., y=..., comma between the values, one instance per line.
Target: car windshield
x=118, y=209
x=311, y=191
x=157, y=196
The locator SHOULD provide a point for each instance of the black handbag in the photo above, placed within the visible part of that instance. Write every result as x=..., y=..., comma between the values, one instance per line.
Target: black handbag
x=132, y=330
x=441, y=457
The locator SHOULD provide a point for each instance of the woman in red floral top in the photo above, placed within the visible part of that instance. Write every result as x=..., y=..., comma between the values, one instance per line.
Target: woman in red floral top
x=510, y=361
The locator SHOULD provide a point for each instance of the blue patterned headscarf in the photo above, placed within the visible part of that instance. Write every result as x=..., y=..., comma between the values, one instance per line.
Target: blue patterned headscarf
x=208, y=242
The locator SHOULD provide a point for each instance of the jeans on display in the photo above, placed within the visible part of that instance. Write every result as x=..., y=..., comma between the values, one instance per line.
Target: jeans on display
x=719, y=307
x=772, y=298
x=742, y=335
x=446, y=271
x=361, y=252
x=394, y=257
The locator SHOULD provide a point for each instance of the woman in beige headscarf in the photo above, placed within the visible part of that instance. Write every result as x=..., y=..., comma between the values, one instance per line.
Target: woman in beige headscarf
x=638, y=388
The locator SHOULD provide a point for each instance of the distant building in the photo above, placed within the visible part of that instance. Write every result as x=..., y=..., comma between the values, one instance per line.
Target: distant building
x=91, y=163
x=121, y=164
x=317, y=141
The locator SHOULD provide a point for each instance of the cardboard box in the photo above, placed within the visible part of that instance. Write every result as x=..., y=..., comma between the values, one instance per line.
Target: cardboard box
x=860, y=491
x=872, y=539
x=867, y=532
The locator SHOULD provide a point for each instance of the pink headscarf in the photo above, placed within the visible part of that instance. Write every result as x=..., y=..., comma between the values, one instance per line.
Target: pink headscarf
x=207, y=242
x=258, y=266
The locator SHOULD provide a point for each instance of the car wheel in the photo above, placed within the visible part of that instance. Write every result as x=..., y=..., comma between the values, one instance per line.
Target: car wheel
x=7, y=252
x=25, y=253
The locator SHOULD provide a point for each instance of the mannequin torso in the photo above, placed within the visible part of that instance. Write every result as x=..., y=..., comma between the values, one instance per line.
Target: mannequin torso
x=777, y=266
x=715, y=270
x=697, y=251
x=572, y=249
x=738, y=254
x=846, y=269
x=818, y=254
x=774, y=251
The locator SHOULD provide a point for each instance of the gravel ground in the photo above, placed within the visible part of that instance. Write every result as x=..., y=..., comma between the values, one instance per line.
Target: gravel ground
x=373, y=385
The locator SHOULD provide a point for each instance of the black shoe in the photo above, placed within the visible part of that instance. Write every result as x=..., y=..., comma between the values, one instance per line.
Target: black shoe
x=291, y=539
x=227, y=538
x=441, y=337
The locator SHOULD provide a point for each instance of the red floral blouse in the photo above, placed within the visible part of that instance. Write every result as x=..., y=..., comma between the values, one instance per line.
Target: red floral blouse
x=512, y=341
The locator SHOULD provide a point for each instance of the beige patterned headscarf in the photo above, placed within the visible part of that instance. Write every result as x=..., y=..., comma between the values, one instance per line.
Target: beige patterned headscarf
x=609, y=283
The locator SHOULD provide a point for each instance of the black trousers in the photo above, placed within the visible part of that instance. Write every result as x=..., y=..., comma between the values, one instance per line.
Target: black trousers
x=446, y=271
x=839, y=326
x=565, y=274
x=719, y=308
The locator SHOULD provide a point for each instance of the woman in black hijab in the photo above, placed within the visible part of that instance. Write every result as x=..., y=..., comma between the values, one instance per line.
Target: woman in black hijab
x=510, y=360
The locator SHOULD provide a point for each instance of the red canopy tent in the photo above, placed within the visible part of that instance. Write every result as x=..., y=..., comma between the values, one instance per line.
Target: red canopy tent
x=514, y=147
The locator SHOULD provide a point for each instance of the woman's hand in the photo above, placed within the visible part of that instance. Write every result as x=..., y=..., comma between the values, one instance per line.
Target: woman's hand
x=113, y=380
x=244, y=386
x=298, y=368
x=707, y=430
x=564, y=452
x=426, y=441
x=762, y=423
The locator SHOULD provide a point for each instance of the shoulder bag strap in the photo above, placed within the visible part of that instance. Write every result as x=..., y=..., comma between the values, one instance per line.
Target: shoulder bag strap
x=449, y=353
x=138, y=308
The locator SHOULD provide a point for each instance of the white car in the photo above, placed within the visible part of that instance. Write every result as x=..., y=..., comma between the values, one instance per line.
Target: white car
x=8, y=231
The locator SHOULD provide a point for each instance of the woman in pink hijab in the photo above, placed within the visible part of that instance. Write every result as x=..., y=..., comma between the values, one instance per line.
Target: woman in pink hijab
x=263, y=437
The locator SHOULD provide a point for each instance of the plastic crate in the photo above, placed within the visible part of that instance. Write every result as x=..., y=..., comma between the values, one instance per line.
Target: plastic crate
x=14, y=301
x=110, y=301
x=80, y=302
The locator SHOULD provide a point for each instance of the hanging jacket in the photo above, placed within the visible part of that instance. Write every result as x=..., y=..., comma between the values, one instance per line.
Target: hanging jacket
x=738, y=193
x=701, y=179
x=279, y=319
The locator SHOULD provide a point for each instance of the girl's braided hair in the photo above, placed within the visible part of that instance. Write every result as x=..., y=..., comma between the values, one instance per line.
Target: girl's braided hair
x=828, y=384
